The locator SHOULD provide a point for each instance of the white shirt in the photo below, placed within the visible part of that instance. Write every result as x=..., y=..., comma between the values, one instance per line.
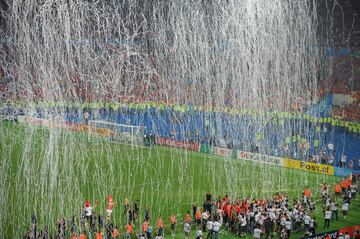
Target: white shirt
x=261, y=220
x=283, y=221
x=257, y=217
x=88, y=211
x=327, y=204
x=290, y=215
x=295, y=211
x=312, y=222
x=288, y=225
x=242, y=221
x=306, y=219
x=347, y=236
x=343, y=158
x=327, y=214
x=345, y=207
x=330, y=146
x=187, y=227
x=209, y=225
x=272, y=215
x=216, y=226
x=204, y=216
x=257, y=233
x=277, y=210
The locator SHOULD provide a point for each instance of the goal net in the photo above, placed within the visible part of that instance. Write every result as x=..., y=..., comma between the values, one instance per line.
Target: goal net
x=127, y=134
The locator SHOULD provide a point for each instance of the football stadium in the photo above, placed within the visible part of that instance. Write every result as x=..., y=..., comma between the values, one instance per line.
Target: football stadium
x=179, y=119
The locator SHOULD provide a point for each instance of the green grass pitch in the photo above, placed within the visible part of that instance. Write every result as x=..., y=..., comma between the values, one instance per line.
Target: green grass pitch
x=53, y=171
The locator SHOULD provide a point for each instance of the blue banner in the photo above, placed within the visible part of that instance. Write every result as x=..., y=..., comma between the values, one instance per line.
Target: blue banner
x=332, y=234
x=344, y=172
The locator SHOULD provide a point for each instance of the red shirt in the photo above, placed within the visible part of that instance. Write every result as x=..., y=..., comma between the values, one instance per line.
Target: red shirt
x=145, y=226
x=238, y=209
x=98, y=235
x=344, y=184
x=115, y=233
x=187, y=217
x=228, y=210
x=129, y=228
x=173, y=219
x=160, y=223
x=337, y=188
x=198, y=215
x=348, y=182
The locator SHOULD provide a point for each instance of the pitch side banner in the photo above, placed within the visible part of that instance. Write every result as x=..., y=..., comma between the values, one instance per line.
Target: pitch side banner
x=222, y=152
x=344, y=172
x=310, y=167
x=177, y=144
x=352, y=230
x=332, y=234
x=42, y=122
x=261, y=158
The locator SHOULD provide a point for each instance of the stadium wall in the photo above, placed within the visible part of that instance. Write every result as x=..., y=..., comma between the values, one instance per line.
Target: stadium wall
x=343, y=135
x=225, y=152
x=353, y=232
x=323, y=108
x=284, y=162
x=270, y=130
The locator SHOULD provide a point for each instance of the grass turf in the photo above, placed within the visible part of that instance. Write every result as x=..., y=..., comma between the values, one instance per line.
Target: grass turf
x=53, y=171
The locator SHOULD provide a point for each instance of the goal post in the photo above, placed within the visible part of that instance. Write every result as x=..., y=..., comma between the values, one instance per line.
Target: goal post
x=126, y=134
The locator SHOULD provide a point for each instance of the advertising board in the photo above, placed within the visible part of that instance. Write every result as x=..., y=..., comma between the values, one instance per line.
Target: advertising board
x=310, y=167
x=177, y=144
x=261, y=158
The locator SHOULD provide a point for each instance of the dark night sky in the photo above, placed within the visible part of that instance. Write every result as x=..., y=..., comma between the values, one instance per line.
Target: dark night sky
x=346, y=29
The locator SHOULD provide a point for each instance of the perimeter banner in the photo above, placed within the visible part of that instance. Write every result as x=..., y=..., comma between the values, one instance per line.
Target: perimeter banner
x=222, y=152
x=261, y=158
x=308, y=166
x=177, y=144
x=332, y=234
x=342, y=172
x=352, y=231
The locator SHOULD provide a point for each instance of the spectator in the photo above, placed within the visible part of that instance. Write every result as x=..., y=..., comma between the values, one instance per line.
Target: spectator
x=345, y=209
x=187, y=230
x=257, y=233
x=328, y=213
x=343, y=161
x=198, y=234
x=129, y=230
x=334, y=211
x=351, y=164
x=209, y=227
x=216, y=228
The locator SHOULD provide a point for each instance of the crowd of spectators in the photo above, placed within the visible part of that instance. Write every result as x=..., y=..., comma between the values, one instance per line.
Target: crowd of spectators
x=261, y=217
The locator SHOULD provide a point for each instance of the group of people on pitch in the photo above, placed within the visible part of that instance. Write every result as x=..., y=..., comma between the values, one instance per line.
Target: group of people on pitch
x=260, y=217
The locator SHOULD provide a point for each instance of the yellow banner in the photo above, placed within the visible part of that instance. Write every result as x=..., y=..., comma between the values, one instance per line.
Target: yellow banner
x=310, y=167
